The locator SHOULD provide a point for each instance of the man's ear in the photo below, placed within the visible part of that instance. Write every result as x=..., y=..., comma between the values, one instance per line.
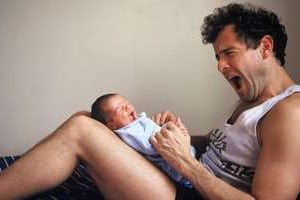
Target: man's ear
x=266, y=46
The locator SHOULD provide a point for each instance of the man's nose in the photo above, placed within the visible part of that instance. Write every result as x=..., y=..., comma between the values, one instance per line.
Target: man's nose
x=222, y=65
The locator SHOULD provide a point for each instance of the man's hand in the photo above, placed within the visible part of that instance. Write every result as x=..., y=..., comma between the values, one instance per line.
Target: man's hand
x=173, y=145
x=181, y=126
x=164, y=117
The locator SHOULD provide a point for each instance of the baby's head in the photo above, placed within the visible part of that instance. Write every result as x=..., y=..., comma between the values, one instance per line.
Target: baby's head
x=113, y=110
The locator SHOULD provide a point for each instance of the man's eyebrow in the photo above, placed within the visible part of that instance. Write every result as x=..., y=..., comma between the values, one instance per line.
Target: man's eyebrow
x=217, y=55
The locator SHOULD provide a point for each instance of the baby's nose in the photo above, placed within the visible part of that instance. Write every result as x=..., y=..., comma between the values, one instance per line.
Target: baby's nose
x=127, y=107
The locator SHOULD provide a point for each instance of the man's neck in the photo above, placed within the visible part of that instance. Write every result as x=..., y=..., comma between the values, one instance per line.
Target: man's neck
x=278, y=82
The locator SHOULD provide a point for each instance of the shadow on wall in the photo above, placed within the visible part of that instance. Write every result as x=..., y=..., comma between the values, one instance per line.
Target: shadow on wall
x=292, y=25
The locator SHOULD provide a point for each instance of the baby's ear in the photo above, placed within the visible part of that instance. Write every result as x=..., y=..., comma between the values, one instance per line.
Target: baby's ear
x=110, y=125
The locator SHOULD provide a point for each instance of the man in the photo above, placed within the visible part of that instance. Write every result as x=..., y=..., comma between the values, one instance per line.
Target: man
x=257, y=149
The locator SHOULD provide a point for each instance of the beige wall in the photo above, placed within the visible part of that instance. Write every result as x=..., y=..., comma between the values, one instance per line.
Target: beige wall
x=56, y=57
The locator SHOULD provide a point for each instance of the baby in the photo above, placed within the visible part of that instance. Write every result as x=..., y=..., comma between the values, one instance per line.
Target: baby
x=120, y=116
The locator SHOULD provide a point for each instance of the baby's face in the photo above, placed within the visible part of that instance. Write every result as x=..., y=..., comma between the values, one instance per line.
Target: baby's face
x=119, y=112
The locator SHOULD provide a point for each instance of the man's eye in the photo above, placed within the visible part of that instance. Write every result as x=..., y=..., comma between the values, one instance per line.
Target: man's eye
x=230, y=53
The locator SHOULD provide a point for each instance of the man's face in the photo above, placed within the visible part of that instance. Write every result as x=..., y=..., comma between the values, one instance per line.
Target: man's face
x=119, y=112
x=241, y=66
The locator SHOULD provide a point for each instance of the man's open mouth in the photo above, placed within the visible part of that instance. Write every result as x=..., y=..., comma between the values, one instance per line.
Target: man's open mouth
x=236, y=81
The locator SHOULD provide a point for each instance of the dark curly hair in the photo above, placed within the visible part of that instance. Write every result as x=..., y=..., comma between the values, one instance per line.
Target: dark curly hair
x=250, y=23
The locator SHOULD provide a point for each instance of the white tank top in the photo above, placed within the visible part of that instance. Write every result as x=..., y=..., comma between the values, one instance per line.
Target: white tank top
x=233, y=151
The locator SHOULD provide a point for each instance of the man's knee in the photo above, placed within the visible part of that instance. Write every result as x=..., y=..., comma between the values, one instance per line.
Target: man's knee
x=80, y=124
x=79, y=121
x=82, y=113
x=74, y=126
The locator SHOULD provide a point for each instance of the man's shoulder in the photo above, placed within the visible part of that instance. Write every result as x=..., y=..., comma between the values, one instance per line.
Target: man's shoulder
x=284, y=117
x=289, y=105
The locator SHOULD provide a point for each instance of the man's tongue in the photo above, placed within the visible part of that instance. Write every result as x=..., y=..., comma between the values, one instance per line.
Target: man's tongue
x=236, y=81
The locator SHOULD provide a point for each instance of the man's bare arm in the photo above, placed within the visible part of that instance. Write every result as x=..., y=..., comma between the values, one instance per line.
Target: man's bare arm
x=174, y=148
x=278, y=171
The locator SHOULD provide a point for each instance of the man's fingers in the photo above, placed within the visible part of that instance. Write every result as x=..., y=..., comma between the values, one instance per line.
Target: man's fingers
x=171, y=126
x=157, y=139
x=153, y=140
x=163, y=134
x=169, y=116
x=164, y=117
x=156, y=118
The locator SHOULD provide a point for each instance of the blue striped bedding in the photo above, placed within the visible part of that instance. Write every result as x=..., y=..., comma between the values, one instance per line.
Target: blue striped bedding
x=79, y=186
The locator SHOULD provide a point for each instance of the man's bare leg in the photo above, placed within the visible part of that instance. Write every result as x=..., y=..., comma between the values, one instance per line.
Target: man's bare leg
x=119, y=171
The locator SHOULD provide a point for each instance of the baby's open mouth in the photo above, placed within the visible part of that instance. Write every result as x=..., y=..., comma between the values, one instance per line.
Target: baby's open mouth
x=133, y=115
